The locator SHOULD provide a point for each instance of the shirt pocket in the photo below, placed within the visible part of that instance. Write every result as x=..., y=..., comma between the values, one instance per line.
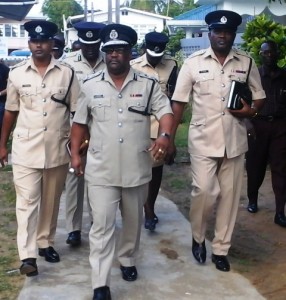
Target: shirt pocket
x=138, y=106
x=205, y=83
x=101, y=109
x=21, y=134
x=27, y=96
x=198, y=120
x=58, y=95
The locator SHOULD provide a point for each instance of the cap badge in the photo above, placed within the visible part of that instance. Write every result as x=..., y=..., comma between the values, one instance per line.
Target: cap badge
x=223, y=20
x=157, y=49
x=113, y=34
x=89, y=34
x=38, y=29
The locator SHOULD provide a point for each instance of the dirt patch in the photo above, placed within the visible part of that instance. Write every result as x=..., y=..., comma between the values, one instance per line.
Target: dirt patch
x=258, y=249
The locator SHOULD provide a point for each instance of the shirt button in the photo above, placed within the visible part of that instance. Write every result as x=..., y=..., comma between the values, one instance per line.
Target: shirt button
x=222, y=71
x=223, y=85
x=44, y=114
x=222, y=98
x=120, y=96
x=120, y=140
x=119, y=124
x=43, y=85
x=120, y=110
x=45, y=128
x=44, y=100
x=223, y=113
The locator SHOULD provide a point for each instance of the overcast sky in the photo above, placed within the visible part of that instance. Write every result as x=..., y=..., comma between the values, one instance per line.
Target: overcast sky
x=97, y=4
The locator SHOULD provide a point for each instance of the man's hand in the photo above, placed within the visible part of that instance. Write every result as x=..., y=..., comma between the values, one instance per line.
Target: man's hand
x=171, y=154
x=159, y=148
x=246, y=111
x=76, y=166
x=3, y=156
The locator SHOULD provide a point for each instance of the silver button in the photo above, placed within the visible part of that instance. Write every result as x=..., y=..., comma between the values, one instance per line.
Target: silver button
x=222, y=71
x=119, y=124
x=223, y=113
x=120, y=96
x=120, y=140
x=222, y=98
x=44, y=100
x=44, y=113
x=45, y=128
x=223, y=85
x=43, y=85
x=138, y=104
x=120, y=110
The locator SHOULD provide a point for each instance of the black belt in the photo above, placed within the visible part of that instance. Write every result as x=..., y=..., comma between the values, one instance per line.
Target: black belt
x=270, y=118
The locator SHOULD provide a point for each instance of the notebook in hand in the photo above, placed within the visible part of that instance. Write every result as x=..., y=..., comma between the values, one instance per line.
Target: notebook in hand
x=238, y=90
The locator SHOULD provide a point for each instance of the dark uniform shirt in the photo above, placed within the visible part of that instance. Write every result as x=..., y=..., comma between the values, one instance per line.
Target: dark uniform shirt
x=4, y=71
x=275, y=89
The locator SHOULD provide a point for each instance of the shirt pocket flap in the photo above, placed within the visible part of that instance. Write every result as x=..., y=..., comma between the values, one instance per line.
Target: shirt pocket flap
x=59, y=93
x=100, y=102
x=198, y=120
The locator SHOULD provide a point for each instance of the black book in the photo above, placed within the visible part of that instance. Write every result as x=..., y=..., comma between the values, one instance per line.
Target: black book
x=239, y=90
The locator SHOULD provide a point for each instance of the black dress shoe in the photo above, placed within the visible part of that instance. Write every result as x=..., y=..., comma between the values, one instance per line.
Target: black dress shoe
x=50, y=254
x=280, y=219
x=221, y=262
x=156, y=220
x=129, y=273
x=150, y=224
x=199, y=251
x=252, y=208
x=74, y=238
x=29, y=267
x=101, y=293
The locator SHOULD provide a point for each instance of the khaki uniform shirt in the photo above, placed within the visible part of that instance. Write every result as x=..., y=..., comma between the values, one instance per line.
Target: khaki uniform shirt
x=161, y=72
x=213, y=130
x=119, y=139
x=81, y=65
x=43, y=128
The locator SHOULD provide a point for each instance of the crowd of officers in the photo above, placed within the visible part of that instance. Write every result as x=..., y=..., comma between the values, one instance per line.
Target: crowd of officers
x=98, y=113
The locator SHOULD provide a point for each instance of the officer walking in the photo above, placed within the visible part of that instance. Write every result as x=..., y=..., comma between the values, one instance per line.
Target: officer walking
x=157, y=64
x=41, y=94
x=87, y=60
x=115, y=105
x=217, y=135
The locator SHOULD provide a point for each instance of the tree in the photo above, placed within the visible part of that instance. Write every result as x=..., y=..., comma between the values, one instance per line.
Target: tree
x=55, y=9
x=260, y=29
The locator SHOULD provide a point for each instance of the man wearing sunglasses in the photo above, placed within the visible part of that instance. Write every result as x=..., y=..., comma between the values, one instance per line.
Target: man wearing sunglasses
x=115, y=106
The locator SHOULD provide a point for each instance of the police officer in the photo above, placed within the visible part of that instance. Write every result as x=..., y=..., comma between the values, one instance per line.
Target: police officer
x=59, y=45
x=114, y=103
x=41, y=94
x=164, y=68
x=86, y=61
x=217, y=136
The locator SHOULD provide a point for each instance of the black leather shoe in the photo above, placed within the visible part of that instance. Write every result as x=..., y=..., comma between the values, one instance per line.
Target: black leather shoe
x=252, y=208
x=150, y=224
x=74, y=238
x=101, y=293
x=280, y=219
x=29, y=267
x=156, y=220
x=199, y=251
x=221, y=262
x=129, y=273
x=50, y=254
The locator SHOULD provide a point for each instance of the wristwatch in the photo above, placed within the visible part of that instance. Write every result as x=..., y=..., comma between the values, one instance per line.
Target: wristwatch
x=164, y=134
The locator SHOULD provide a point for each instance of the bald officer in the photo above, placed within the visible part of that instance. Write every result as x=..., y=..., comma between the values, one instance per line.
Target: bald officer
x=157, y=64
x=116, y=104
x=86, y=61
x=217, y=136
x=41, y=94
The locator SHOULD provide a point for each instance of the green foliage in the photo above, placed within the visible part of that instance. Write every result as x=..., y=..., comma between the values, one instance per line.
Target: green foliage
x=174, y=44
x=259, y=30
x=55, y=9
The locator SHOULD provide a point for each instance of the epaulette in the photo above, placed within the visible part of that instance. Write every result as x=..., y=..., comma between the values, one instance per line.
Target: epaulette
x=63, y=63
x=93, y=75
x=197, y=53
x=136, y=60
x=21, y=63
x=241, y=52
x=169, y=57
x=143, y=75
x=70, y=54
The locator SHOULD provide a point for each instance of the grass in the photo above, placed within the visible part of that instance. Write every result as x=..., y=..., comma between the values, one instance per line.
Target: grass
x=10, y=280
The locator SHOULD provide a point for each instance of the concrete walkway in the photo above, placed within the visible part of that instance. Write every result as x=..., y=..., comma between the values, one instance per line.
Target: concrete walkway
x=166, y=268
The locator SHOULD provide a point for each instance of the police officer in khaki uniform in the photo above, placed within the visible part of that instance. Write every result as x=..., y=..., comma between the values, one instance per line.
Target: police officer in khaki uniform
x=114, y=106
x=86, y=61
x=217, y=135
x=157, y=64
x=41, y=94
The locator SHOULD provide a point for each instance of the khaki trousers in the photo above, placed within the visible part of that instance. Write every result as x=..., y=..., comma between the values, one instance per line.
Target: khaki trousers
x=38, y=194
x=215, y=181
x=104, y=201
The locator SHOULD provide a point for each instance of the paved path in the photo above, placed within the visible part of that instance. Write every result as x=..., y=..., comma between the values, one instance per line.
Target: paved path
x=166, y=268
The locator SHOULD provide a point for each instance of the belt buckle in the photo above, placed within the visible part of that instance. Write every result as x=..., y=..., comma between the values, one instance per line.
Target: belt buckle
x=270, y=118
